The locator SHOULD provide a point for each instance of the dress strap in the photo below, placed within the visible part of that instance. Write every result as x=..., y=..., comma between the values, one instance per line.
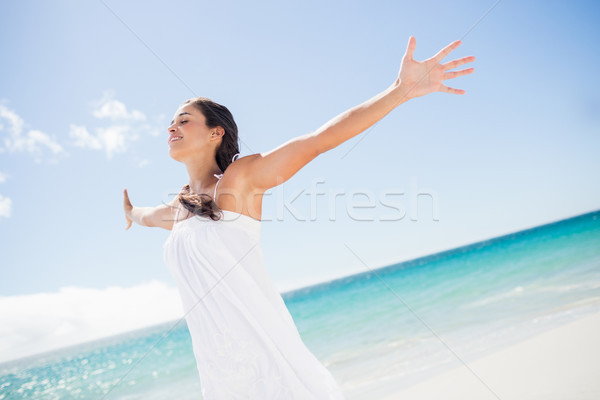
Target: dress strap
x=177, y=213
x=178, y=208
x=217, y=184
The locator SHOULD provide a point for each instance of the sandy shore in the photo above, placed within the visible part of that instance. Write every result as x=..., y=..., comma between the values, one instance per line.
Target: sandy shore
x=561, y=364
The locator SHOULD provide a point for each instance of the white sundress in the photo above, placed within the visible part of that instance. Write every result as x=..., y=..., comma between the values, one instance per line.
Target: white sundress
x=245, y=341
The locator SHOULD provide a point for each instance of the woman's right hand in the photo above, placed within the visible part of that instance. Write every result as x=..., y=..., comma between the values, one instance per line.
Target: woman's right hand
x=423, y=77
x=127, y=207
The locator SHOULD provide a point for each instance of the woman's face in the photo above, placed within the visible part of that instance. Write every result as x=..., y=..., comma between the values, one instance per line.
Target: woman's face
x=188, y=134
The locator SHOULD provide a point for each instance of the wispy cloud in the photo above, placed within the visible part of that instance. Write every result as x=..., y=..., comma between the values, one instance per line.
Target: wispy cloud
x=112, y=139
x=126, y=126
x=5, y=202
x=30, y=324
x=115, y=110
x=15, y=138
x=5, y=207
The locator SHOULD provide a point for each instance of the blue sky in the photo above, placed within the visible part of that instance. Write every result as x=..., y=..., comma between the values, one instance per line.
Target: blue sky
x=88, y=89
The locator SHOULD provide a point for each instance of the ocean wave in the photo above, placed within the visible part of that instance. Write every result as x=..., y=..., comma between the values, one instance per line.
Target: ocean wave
x=521, y=291
x=515, y=292
x=570, y=288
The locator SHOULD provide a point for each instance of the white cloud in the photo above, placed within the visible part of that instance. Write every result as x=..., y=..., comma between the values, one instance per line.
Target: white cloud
x=113, y=139
x=14, y=121
x=124, y=128
x=143, y=163
x=5, y=207
x=35, y=137
x=3, y=177
x=30, y=324
x=14, y=137
x=83, y=138
x=115, y=110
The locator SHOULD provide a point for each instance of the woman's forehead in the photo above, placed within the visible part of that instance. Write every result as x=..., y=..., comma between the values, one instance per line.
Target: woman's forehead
x=188, y=109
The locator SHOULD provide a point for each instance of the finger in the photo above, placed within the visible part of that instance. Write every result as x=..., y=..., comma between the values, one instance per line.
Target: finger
x=126, y=197
x=410, y=49
x=446, y=50
x=452, y=90
x=455, y=63
x=454, y=74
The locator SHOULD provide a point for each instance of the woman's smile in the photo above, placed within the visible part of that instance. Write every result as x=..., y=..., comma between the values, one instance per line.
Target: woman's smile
x=175, y=138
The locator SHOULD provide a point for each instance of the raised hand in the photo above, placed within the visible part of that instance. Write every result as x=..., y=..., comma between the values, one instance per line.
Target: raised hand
x=127, y=207
x=422, y=77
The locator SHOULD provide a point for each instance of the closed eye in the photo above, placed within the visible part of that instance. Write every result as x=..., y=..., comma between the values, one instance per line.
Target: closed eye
x=183, y=122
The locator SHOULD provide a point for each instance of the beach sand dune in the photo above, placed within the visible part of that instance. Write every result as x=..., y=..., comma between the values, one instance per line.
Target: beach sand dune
x=560, y=364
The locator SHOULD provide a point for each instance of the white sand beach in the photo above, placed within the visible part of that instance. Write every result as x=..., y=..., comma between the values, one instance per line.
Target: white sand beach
x=560, y=364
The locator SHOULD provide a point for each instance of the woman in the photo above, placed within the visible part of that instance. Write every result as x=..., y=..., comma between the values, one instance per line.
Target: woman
x=244, y=339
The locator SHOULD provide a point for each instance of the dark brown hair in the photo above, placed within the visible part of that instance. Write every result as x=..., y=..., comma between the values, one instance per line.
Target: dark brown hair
x=216, y=115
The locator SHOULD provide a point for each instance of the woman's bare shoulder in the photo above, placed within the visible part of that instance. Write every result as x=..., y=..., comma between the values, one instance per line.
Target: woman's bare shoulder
x=238, y=169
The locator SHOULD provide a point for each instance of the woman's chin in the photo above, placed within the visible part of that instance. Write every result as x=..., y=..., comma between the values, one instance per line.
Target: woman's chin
x=174, y=154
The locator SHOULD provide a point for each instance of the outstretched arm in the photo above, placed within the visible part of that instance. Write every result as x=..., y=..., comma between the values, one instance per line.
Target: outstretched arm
x=159, y=216
x=415, y=79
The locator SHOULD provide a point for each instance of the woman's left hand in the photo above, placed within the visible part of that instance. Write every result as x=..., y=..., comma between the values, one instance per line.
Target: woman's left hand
x=422, y=77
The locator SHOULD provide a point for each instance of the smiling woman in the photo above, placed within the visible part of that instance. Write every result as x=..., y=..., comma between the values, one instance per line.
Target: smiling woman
x=244, y=339
x=198, y=118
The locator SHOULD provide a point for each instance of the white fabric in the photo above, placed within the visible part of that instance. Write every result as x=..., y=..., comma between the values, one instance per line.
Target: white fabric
x=244, y=339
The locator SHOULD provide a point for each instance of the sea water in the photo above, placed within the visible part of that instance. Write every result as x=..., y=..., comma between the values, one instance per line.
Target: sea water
x=395, y=324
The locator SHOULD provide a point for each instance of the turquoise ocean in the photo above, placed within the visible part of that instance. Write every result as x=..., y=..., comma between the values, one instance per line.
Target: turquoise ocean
x=392, y=325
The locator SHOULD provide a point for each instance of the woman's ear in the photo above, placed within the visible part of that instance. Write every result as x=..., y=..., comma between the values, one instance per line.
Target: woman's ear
x=218, y=132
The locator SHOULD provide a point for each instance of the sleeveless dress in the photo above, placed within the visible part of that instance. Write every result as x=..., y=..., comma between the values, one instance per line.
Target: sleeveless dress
x=244, y=339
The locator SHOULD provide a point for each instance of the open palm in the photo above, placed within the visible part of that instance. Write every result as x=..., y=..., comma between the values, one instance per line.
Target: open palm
x=423, y=77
